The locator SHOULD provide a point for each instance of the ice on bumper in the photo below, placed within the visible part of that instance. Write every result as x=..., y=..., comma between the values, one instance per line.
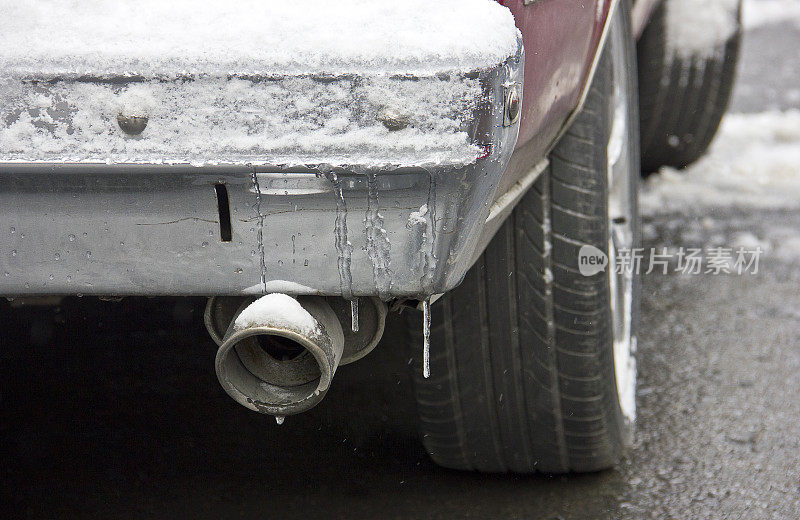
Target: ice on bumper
x=265, y=83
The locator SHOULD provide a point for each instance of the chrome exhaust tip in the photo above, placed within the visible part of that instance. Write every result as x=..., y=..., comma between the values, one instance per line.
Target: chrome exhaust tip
x=279, y=353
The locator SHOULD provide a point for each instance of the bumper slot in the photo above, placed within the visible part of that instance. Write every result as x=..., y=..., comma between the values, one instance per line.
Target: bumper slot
x=224, y=211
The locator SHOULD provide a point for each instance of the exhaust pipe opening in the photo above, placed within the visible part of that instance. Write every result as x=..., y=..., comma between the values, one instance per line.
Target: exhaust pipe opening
x=280, y=348
x=274, y=361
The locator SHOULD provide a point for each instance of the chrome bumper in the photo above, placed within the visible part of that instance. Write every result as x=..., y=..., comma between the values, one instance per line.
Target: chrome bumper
x=134, y=229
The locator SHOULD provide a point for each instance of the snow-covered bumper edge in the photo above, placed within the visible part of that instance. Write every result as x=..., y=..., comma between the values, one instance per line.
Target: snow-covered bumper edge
x=358, y=230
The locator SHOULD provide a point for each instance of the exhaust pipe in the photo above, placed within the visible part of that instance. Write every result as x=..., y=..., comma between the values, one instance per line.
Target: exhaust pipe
x=279, y=354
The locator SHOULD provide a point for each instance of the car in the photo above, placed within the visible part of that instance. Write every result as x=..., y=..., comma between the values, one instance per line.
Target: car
x=311, y=167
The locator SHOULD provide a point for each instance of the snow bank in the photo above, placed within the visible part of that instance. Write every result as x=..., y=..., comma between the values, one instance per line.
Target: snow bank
x=278, y=310
x=250, y=37
x=787, y=248
x=757, y=13
x=753, y=162
x=700, y=27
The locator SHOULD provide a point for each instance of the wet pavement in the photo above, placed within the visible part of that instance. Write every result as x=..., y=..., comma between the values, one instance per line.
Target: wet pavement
x=120, y=415
x=114, y=411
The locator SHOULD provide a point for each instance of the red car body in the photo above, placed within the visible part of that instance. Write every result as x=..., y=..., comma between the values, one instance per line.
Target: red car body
x=561, y=40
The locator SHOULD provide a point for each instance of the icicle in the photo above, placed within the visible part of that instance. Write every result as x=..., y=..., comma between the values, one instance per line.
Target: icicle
x=428, y=246
x=354, y=314
x=279, y=419
x=343, y=246
x=260, y=235
x=426, y=341
x=378, y=245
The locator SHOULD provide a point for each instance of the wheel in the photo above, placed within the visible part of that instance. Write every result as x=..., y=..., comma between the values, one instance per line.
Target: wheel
x=687, y=62
x=532, y=364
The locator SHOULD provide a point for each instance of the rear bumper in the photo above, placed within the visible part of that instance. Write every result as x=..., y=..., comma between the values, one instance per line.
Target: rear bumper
x=406, y=230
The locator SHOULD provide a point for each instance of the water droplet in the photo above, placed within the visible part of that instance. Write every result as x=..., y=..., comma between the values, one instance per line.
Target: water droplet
x=6, y=274
x=279, y=419
x=88, y=254
x=280, y=262
x=14, y=252
x=57, y=256
x=69, y=278
x=51, y=277
x=13, y=230
x=122, y=244
x=71, y=238
x=204, y=244
x=22, y=235
x=85, y=234
x=27, y=285
x=238, y=270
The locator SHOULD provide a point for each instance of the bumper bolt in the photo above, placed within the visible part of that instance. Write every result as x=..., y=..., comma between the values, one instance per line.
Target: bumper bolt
x=392, y=119
x=132, y=125
x=513, y=102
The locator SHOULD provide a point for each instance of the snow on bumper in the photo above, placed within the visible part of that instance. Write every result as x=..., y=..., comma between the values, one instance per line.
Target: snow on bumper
x=278, y=83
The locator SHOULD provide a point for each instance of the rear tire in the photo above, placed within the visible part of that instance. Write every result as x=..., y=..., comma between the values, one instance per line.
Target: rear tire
x=524, y=362
x=683, y=93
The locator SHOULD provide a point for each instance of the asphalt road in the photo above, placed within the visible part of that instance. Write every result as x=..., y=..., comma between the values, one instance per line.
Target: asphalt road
x=120, y=415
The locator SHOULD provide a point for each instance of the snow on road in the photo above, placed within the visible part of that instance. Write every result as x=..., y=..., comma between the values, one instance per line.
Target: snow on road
x=754, y=162
x=757, y=13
